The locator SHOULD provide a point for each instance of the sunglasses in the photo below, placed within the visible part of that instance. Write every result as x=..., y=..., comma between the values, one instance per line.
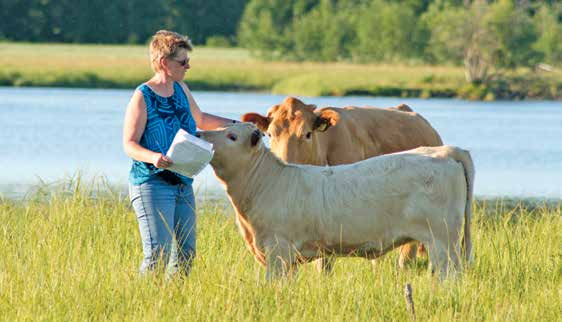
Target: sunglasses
x=182, y=62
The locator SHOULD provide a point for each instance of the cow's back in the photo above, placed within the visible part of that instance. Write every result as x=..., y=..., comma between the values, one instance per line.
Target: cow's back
x=362, y=133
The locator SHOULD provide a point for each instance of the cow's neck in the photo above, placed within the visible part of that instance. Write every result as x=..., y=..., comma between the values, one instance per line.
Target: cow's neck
x=321, y=152
x=343, y=144
x=254, y=179
x=327, y=144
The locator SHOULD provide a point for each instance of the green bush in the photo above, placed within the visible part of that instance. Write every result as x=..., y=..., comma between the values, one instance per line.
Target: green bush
x=219, y=41
x=485, y=37
x=386, y=32
x=448, y=33
x=515, y=34
x=266, y=26
x=549, y=28
x=324, y=34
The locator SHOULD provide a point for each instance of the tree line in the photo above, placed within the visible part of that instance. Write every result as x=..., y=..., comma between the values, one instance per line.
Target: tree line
x=484, y=36
x=117, y=21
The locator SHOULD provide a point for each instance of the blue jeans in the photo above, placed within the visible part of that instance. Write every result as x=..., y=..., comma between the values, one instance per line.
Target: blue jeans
x=167, y=224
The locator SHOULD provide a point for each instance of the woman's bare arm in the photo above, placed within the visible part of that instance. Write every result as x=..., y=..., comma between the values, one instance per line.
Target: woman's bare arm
x=133, y=128
x=204, y=121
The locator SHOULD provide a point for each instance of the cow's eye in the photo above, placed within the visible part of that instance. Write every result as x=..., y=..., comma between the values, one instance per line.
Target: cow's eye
x=232, y=136
x=308, y=135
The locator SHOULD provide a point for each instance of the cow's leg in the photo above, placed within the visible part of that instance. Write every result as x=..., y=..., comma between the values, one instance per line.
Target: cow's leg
x=421, y=250
x=275, y=266
x=279, y=260
x=374, y=264
x=325, y=264
x=444, y=257
x=410, y=252
x=438, y=258
x=294, y=269
x=407, y=253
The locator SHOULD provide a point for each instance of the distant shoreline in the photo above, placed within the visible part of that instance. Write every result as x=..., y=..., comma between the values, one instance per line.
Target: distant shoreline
x=196, y=85
x=234, y=69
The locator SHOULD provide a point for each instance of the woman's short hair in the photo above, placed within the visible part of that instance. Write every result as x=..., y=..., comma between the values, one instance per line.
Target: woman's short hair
x=166, y=44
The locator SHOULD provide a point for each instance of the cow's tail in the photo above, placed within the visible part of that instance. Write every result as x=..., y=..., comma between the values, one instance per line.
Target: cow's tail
x=463, y=156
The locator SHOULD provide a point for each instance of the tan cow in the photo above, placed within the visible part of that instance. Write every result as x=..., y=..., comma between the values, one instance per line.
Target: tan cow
x=290, y=214
x=300, y=133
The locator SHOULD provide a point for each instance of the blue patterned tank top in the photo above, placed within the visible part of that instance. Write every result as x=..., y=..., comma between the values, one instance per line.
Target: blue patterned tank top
x=165, y=116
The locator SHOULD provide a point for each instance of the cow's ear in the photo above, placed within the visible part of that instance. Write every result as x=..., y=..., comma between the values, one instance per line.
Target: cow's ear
x=260, y=121
x=325, y=119
x=255, y=137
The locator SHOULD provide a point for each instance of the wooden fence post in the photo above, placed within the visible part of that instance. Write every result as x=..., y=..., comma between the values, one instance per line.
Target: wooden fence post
x=409, y=300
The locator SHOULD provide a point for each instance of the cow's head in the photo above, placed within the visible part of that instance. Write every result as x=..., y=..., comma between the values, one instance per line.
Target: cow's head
x=235, y=147
x=294, y=129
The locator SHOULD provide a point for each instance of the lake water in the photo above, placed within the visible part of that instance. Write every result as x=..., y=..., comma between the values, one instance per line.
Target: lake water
x=49, y=134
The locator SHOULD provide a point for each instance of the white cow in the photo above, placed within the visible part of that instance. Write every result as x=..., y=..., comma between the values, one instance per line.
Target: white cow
x=289, y=214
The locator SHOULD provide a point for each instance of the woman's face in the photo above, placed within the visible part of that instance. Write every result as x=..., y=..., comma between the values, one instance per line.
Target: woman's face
x=178, y=65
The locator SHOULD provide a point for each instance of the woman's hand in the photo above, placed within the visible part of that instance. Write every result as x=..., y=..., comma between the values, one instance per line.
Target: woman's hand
x=161, y=161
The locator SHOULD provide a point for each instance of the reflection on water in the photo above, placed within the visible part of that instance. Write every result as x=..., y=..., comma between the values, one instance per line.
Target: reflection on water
x=50, y=134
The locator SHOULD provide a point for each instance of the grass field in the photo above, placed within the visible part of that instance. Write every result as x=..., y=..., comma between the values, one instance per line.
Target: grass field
x=124, y=66
x=68, y=256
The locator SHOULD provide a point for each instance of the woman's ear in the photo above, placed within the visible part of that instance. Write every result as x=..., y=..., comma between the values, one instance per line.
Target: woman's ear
x=163, y=64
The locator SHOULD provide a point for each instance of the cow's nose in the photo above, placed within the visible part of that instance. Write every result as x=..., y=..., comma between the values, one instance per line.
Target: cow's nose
x=198, y=134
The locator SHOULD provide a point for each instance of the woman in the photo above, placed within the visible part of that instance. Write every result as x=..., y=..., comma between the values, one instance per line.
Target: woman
x=163, y=200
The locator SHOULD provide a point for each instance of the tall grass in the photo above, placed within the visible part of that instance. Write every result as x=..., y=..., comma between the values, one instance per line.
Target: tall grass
x=73, y=254
x=125, y=66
